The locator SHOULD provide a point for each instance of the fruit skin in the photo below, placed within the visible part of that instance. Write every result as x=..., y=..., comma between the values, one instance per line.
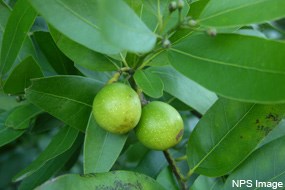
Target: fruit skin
x=117, y=108
x=160, y=126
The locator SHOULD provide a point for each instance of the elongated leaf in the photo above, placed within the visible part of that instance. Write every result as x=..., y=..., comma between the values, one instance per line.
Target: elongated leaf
x=62, y=142
x=20, y=117
x=221, y=13
x=51, y=167
x=150, y=83
x=81, y=55
x=18, y=25
x=228, y=133
x=14, y=122
x=197, y=7
x=101, y=148
x=19, y=78
x=121, y=26
x=246, y=68
x=167, y=179
x=4, y=15
x=207, y=183
x=68, y=98
x=60, y=63
x=73, y=19
x=7, y=135
x=265, y=165
x=112, y=180
x=152, y=163
x=185, y=89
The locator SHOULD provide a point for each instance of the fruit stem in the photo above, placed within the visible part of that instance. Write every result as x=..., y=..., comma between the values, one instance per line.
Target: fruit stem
x=181, y=158
x=142, y=97
x=180, y=178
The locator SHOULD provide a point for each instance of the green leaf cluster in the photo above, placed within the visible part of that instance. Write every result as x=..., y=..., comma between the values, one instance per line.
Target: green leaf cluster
x=219, y=63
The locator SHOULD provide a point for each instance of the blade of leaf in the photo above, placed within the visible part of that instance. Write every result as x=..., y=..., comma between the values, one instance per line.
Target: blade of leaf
x=51, y=167
x=60, y=63
x=245, y=68
x=20, y=117
x=19, y=78
x=14, y=122
x=101, y=148
x=167, y=179
x=7, y=134
x=60, y=143
x=228, y=133
x=152, y=163
x=111, y=180
x=60, y=96
x=149, y=82
x=18, y=25
x=206, y=183
x=270, y=157
x=123, y=28
x=197, y=7
x=81, y=55
x=185, y=89
x=223, y=13
x=69, y=18
x=4, y=15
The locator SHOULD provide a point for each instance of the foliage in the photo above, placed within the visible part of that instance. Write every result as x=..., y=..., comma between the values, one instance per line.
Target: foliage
x=220, y=63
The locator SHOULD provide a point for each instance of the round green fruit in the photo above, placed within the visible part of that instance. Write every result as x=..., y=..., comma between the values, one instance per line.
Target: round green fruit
x=117, y=108
x=160, y=126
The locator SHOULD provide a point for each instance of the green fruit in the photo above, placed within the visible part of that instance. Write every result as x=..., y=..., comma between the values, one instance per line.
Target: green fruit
x=117, y=108
x=160, y=126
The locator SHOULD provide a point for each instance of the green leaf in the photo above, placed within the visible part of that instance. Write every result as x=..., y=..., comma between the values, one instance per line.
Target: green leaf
x=60, y=63
x=185, y=89
x=60, y=96
x=245, y=68
x=152, y=163
x=18, y=25
x=197, y=7
x=74, y=19
x=7, y=134
x=167, y=179
x=276, y=133
x=51, y=167
x=224, y=13
x=4, y=15
x=228, y=133
x=111, y=180
x=19, y=118
x=60, y=143
x=206, y=183
x=101, y=148
x=123, y=28
x=265, y=164
x=14, y=122
x=19, y=78
x=150, y=83
x=81, y=55
x=132, y=156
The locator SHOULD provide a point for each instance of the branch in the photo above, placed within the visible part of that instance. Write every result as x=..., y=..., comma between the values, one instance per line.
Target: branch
x=180, y=178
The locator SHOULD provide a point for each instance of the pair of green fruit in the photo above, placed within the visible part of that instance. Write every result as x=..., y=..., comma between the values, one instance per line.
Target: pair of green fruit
x=117, y=109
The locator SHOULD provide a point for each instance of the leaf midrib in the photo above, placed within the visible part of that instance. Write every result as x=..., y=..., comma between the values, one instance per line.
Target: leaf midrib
x=66, y=7
x=60, y=97
x=13, y=38
x=227, y=64
x=220, y=141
